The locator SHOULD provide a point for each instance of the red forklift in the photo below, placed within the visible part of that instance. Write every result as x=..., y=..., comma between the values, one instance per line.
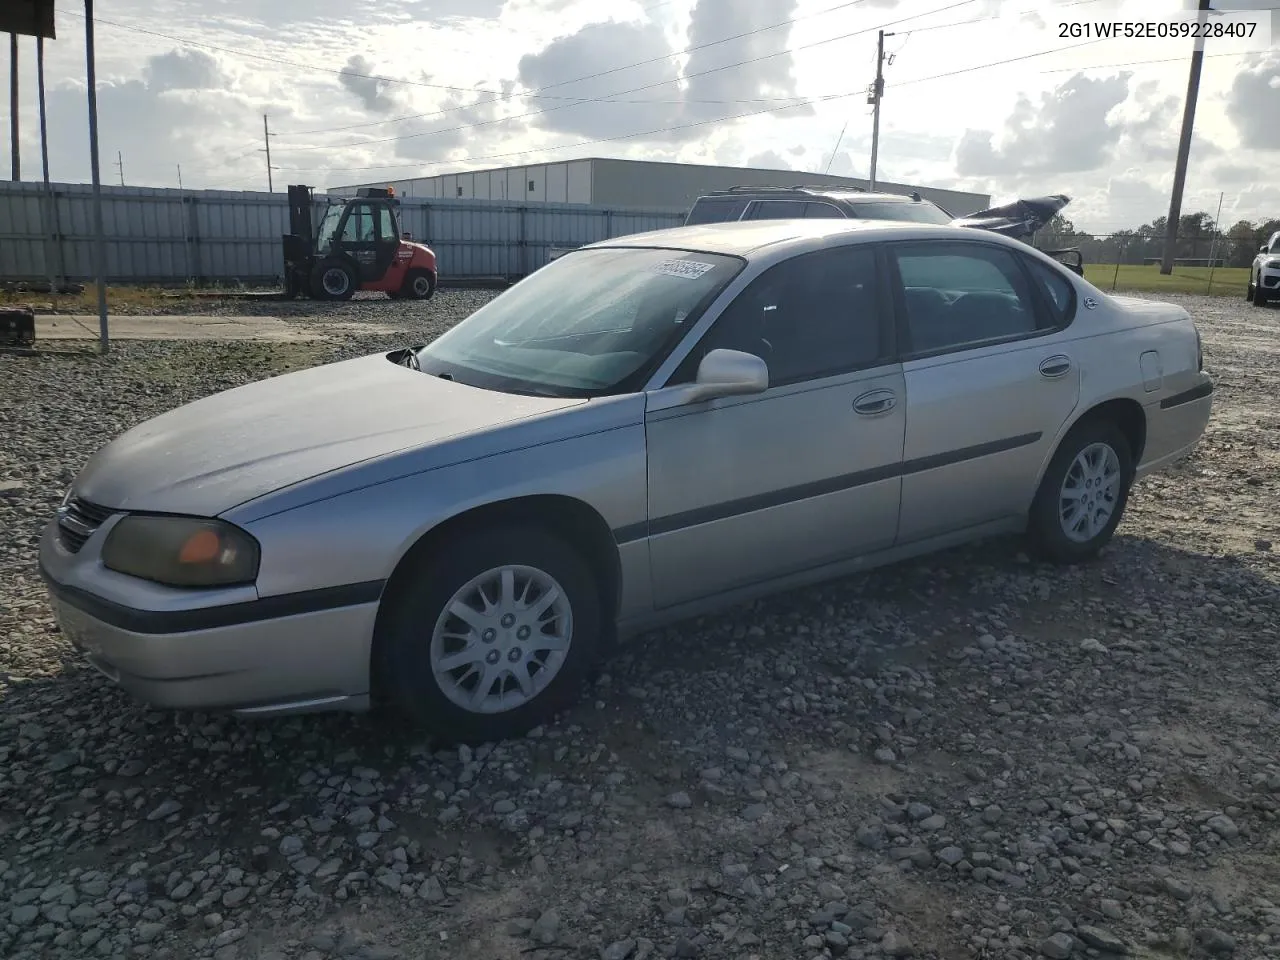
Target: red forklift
x=358, y=245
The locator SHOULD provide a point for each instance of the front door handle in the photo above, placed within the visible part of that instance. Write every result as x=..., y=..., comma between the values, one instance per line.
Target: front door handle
x=1054, y=367
x=875, y=402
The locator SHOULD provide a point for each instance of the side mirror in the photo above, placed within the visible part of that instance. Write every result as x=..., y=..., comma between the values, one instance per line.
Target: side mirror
x=728, y=373
x=406, y=235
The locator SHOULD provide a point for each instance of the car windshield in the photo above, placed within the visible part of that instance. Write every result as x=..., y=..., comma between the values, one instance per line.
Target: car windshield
x=328, y=228
x=591, y=323
x=916, y=212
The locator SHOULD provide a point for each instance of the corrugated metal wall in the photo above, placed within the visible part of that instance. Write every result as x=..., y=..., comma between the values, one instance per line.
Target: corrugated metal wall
x=160, y=235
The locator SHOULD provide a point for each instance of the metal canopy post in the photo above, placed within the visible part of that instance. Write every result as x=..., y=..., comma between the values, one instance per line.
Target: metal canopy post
x=99, y=244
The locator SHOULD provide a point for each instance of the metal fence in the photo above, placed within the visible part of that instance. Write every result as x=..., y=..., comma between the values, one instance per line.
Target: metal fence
x=207, y=236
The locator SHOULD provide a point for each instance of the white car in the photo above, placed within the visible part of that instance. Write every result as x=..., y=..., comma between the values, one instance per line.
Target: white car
x=1264, y=275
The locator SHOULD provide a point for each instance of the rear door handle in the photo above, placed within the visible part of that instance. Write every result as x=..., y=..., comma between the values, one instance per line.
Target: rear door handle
x=875, y=402
x=1053, y=367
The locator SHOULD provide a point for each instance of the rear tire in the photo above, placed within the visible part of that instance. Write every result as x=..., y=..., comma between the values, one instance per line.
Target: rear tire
x=486, y=677
x=418, y=285
x=1259, y=295
x=1083, y=494
x=333, y=280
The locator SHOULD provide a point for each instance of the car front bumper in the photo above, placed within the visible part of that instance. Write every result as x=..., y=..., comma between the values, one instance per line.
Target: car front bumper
x=1270, y=281
x=250, y=657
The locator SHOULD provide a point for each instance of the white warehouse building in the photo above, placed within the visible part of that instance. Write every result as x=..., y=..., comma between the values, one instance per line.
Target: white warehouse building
x=638, y=185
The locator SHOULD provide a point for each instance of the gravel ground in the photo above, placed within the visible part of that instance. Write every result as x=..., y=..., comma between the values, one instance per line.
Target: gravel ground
x=968, y=756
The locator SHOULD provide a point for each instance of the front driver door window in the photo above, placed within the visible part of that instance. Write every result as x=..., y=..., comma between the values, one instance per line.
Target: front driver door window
x=744, y=489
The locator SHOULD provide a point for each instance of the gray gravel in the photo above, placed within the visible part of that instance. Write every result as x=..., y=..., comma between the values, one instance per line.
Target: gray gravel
x=965, y=756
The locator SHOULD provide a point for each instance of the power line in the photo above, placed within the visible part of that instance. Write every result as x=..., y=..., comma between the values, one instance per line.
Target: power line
x=494, y=94
x=648, y=86
x=572, y=101
x=817, y=99
x=1028, y=56
x=1137, y=63
x=685, y=126
x=998, y=16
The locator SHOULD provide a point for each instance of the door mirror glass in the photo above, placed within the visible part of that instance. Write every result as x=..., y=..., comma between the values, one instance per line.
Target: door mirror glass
x=727, y=373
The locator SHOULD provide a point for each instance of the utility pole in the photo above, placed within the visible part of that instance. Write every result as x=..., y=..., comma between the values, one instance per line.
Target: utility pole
x=1184, y=150
x=877, y=91
x=120, y=166
x=16, y=155
x=266, y=138
x=179, y=176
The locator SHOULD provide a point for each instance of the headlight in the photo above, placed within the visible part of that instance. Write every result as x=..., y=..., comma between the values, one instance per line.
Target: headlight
x=1273, y=264
x=181, y=551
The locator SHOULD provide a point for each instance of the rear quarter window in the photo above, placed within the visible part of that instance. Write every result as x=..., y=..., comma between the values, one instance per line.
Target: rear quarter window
x=1058, y=293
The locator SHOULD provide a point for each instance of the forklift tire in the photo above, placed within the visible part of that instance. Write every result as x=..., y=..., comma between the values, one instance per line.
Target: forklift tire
x=418, y=285
x=333, y=280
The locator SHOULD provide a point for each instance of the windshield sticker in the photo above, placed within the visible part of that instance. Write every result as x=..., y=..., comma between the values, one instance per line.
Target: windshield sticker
x=688, y=269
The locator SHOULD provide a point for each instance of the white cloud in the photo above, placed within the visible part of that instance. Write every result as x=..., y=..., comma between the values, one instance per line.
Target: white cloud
x=1085, y=120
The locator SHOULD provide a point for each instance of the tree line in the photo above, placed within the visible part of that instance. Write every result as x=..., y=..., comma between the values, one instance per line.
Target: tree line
x=1197, y=239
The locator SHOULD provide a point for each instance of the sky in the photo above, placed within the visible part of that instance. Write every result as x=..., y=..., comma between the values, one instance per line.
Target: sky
x=981, y=95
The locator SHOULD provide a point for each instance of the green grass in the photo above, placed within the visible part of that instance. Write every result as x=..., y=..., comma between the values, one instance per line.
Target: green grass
x=1227, y=281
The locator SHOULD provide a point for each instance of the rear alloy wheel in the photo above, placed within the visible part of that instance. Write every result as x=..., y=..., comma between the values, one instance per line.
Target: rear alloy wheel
x=493, y=637
x=333, y=280
x=1082, y=497
x=418, y=285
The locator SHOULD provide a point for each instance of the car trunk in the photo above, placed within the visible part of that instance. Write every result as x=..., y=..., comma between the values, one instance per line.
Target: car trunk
x=1021, y=219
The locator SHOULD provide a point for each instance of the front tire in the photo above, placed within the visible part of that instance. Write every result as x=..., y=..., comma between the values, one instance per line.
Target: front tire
x=492, y=637
x=1259, y=295
x=1083, y=494
x=333, y=280
x=418, y=285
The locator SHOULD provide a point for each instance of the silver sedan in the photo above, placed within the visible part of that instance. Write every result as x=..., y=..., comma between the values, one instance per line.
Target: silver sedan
x=642, y=430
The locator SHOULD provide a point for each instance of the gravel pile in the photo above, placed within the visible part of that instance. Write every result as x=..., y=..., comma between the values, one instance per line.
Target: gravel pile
x=968, y=756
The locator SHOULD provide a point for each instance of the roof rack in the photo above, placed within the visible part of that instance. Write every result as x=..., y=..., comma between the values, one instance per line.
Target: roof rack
x=762, y=188
x=745, y=188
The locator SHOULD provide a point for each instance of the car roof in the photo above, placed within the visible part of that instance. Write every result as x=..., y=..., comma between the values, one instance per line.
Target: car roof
x=742, y=238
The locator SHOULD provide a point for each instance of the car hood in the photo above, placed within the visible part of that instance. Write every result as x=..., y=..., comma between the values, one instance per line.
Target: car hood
x=216, y=453
x=1018, y=219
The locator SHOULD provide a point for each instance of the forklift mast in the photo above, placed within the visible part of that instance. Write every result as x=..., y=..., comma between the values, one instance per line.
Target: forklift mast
x=301, y=220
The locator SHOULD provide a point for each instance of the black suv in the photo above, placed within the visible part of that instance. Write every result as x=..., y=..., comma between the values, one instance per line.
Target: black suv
x=1019, y=219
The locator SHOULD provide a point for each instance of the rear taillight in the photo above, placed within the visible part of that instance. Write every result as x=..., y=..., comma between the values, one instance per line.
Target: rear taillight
x=1199, y=352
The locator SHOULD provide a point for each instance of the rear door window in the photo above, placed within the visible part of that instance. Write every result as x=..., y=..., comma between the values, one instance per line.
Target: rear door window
x=958, y=294
x=777, y=210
